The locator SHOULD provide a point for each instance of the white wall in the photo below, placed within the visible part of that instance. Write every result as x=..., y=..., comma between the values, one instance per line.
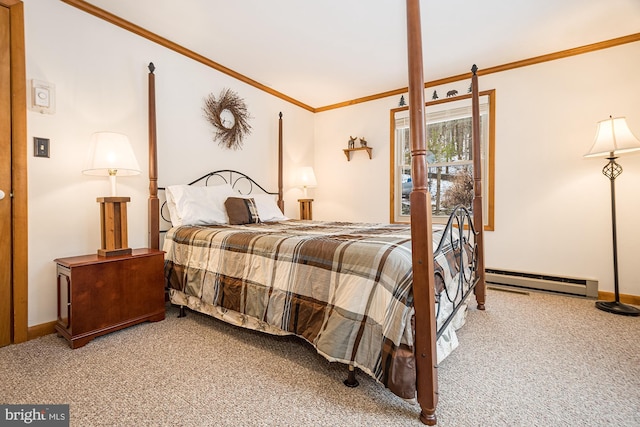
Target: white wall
x=355, y=190
x=100, y=77
x=552, y=207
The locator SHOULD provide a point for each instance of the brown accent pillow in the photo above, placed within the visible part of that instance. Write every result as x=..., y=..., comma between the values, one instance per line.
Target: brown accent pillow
x=241, y=211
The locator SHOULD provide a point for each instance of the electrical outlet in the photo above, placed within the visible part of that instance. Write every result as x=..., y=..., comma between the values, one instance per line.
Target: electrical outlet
x=40, y=147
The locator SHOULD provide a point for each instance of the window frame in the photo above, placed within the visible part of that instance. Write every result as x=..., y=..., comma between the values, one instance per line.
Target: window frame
x=488, y=164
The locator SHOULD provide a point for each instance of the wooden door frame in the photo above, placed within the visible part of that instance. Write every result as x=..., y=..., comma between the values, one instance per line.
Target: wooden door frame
x=18, y=192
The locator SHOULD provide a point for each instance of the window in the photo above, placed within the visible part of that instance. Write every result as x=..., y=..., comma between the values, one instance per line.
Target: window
x=449, y=158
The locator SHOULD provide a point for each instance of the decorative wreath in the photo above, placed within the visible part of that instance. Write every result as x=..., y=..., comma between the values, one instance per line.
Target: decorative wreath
x=229, y=117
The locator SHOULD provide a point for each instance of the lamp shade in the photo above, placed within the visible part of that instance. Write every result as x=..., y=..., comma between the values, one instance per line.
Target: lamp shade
x=613, y=136
x=111, y=154
x=306, y=177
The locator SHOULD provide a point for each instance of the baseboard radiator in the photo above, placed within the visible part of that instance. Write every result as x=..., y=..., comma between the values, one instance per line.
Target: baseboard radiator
x=542, y=282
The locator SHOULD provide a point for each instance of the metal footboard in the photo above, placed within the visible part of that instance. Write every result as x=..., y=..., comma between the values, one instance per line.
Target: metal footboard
x=460, y=244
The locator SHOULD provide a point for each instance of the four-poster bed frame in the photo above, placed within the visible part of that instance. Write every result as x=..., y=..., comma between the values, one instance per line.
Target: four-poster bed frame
x=421, y=222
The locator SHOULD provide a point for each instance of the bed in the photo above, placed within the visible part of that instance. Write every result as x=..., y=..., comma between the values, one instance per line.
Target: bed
x=392, y=313
x=343, y=287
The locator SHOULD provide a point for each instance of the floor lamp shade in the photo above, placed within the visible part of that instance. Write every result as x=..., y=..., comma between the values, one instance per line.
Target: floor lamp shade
x=110, y=154
x=613, y=137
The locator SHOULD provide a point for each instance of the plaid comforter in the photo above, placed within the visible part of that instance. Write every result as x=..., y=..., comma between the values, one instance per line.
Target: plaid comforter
x=343, y=287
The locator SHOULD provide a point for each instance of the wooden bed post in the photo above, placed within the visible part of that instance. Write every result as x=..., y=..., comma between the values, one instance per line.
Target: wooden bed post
x=480, y=288
x=280, y=199
x=154, y=203
x=421, y=229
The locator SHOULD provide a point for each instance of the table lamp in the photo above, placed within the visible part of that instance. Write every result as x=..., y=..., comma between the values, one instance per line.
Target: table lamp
x=305, y=178
x=111, y=155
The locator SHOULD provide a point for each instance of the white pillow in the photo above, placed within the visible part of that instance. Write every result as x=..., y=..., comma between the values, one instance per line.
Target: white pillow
x=268, y=209
x=197, y=205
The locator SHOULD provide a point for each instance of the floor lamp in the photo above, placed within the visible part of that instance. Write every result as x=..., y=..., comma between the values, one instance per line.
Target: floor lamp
x=613, y=138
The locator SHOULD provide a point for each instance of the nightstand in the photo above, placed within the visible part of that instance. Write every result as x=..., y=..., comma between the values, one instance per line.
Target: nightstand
x=98, y=294
x=305, y=208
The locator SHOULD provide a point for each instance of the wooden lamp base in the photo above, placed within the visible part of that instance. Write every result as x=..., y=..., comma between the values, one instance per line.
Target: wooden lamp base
x=306, y=211
x=113, y=226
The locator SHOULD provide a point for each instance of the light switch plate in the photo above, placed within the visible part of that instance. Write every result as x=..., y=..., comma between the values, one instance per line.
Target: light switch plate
x=40, y=147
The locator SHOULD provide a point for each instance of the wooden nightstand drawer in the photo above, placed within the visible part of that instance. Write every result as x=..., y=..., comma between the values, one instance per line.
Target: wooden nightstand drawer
x=98, y=295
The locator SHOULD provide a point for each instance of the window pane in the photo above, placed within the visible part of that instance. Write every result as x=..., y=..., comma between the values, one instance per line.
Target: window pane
x=449, y=141
x=450, y=186
x=407, y=186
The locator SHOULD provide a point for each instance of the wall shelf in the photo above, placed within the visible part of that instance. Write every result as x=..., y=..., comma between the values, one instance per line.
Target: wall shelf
x=347, y=151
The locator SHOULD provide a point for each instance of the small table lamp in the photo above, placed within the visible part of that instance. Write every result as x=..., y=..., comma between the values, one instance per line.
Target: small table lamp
x=305, y=178
x=111, y=155
x=613, y=138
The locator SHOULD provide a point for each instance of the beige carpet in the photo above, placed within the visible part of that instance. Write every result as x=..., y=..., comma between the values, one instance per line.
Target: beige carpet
x=528, y=360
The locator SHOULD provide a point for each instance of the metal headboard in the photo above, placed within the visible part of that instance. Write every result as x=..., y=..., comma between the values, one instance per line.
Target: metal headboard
x=239, y=181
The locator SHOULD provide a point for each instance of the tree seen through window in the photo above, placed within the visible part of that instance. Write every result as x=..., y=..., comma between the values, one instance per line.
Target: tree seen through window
x=450, y=172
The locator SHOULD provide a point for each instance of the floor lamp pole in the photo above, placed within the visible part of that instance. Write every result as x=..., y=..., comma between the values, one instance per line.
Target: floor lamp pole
x=612, y=170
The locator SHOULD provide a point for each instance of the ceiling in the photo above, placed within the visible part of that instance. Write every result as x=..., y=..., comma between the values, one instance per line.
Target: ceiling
x=323, y=52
